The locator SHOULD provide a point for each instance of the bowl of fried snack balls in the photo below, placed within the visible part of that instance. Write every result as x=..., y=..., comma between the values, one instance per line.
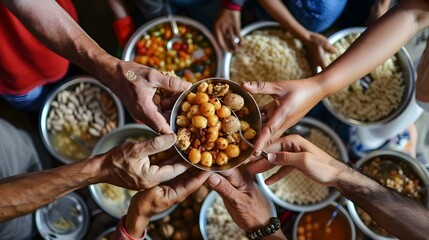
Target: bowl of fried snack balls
x=208, y=131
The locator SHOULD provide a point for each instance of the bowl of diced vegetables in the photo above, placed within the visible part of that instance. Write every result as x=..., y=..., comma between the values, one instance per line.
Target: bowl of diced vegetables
x=196, y=56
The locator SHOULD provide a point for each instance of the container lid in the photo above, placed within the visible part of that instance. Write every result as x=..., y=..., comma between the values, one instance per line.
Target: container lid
x=66, y=218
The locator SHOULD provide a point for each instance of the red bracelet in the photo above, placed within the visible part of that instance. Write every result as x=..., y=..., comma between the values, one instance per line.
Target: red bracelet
x=231, y=6
x=121, y=232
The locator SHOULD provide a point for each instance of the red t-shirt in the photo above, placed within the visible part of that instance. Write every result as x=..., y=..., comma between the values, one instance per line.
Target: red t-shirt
x=25, y=62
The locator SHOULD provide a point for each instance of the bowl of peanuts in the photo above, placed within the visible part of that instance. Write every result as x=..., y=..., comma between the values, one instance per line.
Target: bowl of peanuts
x=76, y=115
x=208, y=120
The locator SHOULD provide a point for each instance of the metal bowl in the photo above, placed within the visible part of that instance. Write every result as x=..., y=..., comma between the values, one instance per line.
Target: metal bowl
x=208, y=202
x=246, y=31
x=254, y=119
x=66, y=218
x=307, y=124
x=130, y=53
x=408, y=70
x=414, y=165
x=332, y=207
x=109, y=141
x=70, y=85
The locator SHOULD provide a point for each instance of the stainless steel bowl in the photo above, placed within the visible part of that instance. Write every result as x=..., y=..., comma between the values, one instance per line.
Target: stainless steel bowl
x=308, y=123
x=109, y=141
x=69, y=85
x=254, y=119
x=66, y=218
x=408, y=70
x=208, y=202
x=415, y=166
x=130, y=52
x=246, y=31
x=332, y=206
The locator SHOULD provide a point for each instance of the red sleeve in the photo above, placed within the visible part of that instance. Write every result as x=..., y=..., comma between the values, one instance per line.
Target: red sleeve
x=123, y=29
x=230, y=5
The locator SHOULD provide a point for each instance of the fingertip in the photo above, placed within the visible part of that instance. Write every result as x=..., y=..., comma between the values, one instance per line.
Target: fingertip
x=213, y=180
x=272, y=158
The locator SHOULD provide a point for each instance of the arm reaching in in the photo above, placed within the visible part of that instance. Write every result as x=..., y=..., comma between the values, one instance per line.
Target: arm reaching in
x=126, y=165
x=133, y=83
x=247, y=206
x=380, y=41
x=382, y=204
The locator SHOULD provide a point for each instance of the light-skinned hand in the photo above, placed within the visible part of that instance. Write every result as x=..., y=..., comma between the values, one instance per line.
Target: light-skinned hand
x=294, y=98
x=128, y=164
x=227, y=29
x=293, y=152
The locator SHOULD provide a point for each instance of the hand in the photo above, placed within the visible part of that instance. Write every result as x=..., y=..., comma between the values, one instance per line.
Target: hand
x=294, y=99
x=227, y=29
x=316, y=46
x=247, y=206
x=152, y=201
x=136, y=85
x=128, y=164
x=295, y=152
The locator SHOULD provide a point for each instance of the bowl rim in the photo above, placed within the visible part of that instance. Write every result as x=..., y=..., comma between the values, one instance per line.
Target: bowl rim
x=333, y=193
x=419, y=170
x=403, y=58
x=45, y=230
x=94, y=188
x=334, y=205
x=208, y=201
x=130, y=49
x=259, y=25
x=178, y=103
x=46, y=107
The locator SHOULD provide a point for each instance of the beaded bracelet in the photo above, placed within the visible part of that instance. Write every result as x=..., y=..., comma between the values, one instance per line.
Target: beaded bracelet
x=271, y=228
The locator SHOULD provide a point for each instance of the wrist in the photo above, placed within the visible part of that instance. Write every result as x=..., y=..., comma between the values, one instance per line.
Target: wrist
x=135, y=225
x=265, y=230
x=92, y=169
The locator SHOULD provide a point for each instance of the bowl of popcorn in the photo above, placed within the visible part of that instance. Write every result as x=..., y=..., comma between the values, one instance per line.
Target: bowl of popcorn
x=76, y=115
x=208, y=119
x=394, y=170
x=380, y=96
x=295, y=191
x=115, y=200
x=196, y=57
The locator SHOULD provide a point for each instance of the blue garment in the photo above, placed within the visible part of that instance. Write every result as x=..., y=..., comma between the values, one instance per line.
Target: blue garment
x=314, y=15
x=28, y=101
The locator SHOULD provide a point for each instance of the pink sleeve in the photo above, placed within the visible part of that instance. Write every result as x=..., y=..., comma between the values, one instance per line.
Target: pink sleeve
x=121, y=233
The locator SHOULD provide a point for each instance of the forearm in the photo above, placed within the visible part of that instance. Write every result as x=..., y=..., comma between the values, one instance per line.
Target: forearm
x=402, y=217
x=380, y=41
x=281, y=14
x=135, y=225
x=24, y=193
x=58, y=31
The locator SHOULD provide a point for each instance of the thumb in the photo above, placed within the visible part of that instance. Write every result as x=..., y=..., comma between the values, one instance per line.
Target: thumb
x=260, y=87
x=222, y=186
x=172, y=84
x=286, y=158
x=158, y=144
